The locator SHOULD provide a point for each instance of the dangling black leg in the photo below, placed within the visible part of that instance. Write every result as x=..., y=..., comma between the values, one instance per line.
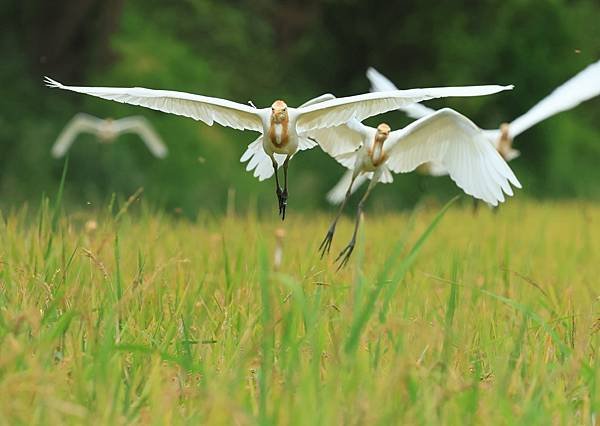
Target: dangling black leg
x=326, y=244
x=277, y=187
x=344, y=255
x=284, y=194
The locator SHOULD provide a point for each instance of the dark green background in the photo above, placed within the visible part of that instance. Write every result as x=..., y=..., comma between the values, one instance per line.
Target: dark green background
x=295, y=50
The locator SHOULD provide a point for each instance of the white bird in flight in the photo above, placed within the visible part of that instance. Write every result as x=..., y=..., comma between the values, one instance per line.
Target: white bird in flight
x=445, y=137
x=107, y=131
x=283, y=130
x=583, y=86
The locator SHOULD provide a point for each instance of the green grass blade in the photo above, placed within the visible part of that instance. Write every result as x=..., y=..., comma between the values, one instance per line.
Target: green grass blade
x=363, y=317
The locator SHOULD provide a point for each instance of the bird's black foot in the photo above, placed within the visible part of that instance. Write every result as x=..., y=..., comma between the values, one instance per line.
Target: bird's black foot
x=326, y=244
x=344, y=255
x=283, y=196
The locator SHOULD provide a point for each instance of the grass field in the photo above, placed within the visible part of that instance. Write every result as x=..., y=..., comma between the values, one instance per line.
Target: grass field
x=135, y=317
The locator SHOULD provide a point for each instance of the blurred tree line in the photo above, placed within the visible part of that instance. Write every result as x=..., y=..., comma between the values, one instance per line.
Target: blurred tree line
x=261, y=50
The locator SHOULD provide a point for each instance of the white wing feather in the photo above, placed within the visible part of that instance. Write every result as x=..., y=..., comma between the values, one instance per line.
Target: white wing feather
x=578, y=89
x=339, y=140
x=338, y=111
x=380, y=83
x=141, y=127
x=79, y=123
x=202, y=108
x=453, y=141
x=322, y=98
x=258, y=161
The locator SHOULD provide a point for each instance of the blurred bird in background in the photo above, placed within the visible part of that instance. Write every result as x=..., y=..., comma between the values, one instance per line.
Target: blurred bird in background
x=107, y=131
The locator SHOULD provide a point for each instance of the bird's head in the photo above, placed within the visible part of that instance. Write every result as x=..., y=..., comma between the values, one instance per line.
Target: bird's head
x=383, y=131
x=279, y=112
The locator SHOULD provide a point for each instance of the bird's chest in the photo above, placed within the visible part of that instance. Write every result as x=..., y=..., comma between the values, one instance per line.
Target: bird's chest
x=376, y=156
x=278, y=134
x=364, y=161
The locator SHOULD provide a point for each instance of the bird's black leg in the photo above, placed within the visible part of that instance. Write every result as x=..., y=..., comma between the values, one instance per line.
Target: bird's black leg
x=284, y=194
x=326, y=244
x=277, y=187
x=344, y=255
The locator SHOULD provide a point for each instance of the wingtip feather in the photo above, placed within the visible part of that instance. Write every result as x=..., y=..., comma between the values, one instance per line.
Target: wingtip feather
x=52, y=83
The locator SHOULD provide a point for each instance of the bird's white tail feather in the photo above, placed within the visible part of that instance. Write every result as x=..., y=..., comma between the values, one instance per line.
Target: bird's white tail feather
x=437, y=169
x=337, y=194
x=385, y=176
x=259, y=161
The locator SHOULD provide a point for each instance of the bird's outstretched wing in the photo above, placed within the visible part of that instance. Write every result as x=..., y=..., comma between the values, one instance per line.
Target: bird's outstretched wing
x=574, y=91
x=380, y=83
x=306, y=142
x=338, y=111
x=339, y=140
x=79, y=123
x=453, y=141
x=141, y=127
x=322, y=98
x=202, y=108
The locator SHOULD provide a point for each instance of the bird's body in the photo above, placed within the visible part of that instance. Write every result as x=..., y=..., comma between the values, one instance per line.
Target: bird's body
x=284, y=130
x=370, y=156
x=445, y=137
x=107, y=131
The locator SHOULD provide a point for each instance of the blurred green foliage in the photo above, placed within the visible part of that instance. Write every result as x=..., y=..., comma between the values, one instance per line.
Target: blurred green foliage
x=295, y=50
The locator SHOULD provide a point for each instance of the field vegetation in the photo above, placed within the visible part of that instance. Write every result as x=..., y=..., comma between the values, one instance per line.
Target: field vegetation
x=125, y=315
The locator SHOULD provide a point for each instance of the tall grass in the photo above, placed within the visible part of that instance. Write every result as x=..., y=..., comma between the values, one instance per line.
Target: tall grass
x=126, y=316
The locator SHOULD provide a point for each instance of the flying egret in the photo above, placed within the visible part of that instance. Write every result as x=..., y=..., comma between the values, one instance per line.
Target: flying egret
x=107, y=131
x=283, y=130
x=445, y=137
x=583, y=86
